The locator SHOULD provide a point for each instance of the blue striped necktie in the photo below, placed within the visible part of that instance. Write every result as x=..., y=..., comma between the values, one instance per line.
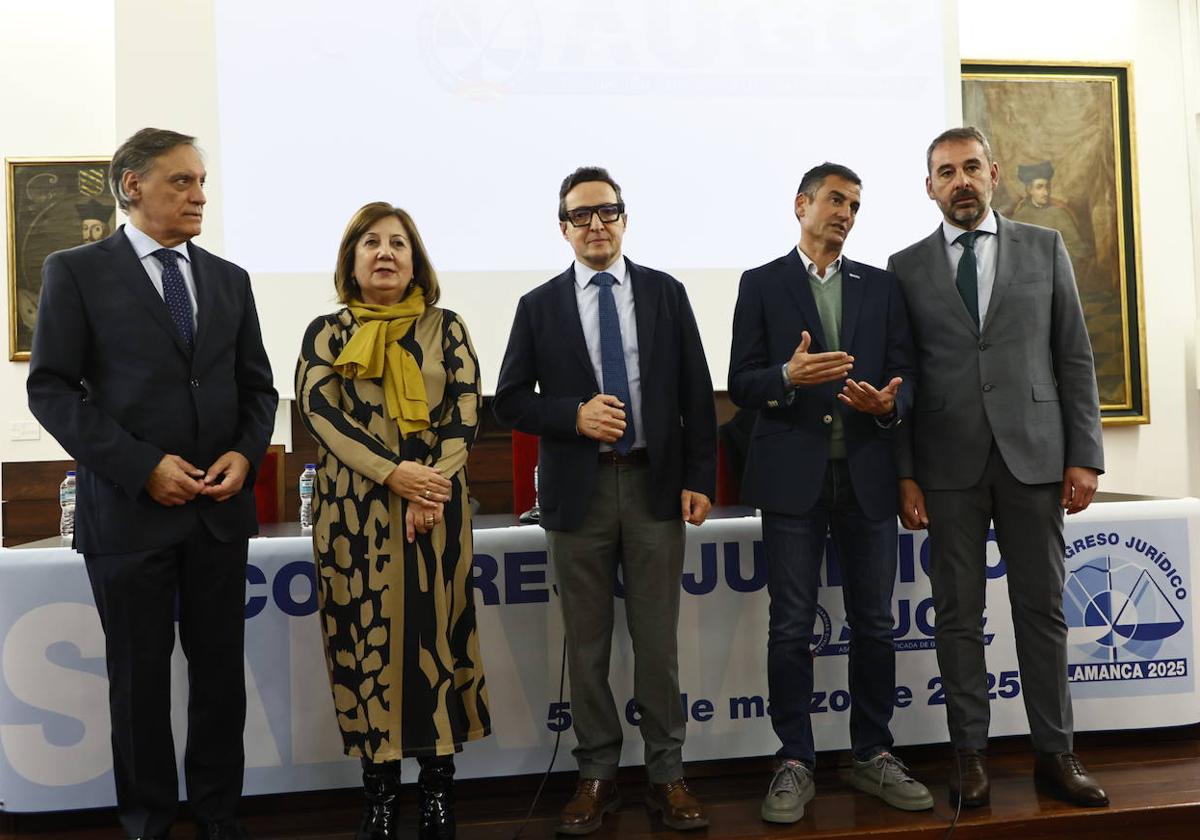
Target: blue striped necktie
x=175, y=293
x=612, y=356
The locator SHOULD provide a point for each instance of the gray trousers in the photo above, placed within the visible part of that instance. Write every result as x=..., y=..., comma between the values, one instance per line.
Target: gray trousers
x=618, y=529
x=1029, y=526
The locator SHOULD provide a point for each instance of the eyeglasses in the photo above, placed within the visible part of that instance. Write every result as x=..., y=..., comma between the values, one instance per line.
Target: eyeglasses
x=582, y=216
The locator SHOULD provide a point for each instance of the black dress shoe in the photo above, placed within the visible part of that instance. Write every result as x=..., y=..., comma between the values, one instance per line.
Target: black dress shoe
x=224, y=830
x=1063, y=776
x=969, y=780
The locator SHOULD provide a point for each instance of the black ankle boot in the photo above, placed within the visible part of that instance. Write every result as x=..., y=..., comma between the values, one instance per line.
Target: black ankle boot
x=436, y=788
x=381, y=784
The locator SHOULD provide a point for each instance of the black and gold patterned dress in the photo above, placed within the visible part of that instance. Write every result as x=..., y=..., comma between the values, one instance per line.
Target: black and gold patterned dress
x=398, y=618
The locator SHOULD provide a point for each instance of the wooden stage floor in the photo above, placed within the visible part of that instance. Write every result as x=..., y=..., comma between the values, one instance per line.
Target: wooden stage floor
x=1152, y=778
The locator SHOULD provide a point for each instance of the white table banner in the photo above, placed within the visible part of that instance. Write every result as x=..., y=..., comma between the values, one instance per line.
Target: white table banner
x=1129, y=605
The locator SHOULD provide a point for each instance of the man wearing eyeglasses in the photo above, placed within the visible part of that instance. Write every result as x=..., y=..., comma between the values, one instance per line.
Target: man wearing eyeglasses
x=821, y=347
x=619, y=473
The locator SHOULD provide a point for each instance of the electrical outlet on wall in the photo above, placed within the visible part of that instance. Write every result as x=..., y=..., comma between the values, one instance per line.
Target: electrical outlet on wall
x=25, y=430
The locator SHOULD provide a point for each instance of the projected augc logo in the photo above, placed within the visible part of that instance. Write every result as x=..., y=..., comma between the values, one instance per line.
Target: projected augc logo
x=1126, y=601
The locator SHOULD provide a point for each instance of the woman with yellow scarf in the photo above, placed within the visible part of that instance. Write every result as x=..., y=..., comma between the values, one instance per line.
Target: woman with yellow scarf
x=389, y=387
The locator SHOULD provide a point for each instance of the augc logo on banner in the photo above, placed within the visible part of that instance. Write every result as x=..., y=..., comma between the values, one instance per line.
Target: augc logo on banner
x=1127, y=605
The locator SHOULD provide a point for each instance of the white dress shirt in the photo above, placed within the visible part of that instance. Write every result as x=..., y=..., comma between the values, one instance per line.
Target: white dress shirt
x=587, y=297
x=985, y=256
x=830, y=270
x=145, y=247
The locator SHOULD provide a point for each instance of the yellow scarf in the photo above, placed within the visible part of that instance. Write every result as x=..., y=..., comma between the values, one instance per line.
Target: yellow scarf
x=374, y=352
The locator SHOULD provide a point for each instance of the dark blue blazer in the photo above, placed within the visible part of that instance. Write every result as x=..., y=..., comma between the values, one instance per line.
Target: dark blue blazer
x=789, y=448
x=111, y=379
x=547, y=373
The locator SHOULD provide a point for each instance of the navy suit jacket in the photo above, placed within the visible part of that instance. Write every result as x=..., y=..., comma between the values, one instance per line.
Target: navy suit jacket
x=111, y=379
x=547, y=373
x=789, y=448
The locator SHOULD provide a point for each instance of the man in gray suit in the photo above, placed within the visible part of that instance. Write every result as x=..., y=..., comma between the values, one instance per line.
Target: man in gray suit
x=1006, y=430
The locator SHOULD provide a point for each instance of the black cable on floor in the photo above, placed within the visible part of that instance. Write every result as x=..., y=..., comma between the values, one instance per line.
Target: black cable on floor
x=958, y=808
x=562, y=676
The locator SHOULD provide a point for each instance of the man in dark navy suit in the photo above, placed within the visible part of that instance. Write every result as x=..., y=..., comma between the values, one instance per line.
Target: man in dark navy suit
x=148, y=367
x=821, y=347
x=605, y=365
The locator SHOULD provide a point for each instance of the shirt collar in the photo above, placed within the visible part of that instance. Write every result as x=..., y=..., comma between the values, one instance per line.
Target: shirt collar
x=811, y=267
x=585, y=273
x=144, y=245
x=951, y=231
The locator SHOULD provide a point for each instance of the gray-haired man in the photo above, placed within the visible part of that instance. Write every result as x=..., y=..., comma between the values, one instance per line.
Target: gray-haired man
x=148, y=367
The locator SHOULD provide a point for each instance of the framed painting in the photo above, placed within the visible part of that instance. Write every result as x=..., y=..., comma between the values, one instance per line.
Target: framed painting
x=53, y=203
x=1064, y=139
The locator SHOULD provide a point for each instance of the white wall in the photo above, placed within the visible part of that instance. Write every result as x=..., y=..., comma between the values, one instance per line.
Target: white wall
x=83, y=84
x=56, y=100
x=1161, y=458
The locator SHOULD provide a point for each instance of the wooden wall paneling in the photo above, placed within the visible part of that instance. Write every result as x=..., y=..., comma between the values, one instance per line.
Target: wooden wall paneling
x=28, y=480
x=30, y=508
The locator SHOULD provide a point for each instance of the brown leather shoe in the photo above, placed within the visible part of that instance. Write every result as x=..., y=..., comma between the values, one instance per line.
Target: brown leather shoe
x=973, y=788
x=592, y=800
x=1063, y=776
x=680, y=810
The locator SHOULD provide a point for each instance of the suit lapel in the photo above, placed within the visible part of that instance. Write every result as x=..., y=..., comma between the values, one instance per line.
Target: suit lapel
x=568, y=316
x=203, y=273
x=937, y=268
x=852, y=295
x=1007, y=249
x=130, y=272
x=646, y=295
x=795, y=278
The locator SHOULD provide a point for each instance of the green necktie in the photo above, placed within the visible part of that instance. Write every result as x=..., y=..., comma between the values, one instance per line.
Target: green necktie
x=967, y=277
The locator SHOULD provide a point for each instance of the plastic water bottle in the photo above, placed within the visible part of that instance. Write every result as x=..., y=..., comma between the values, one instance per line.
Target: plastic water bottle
x=534, y=514
x=307, y=480
x=66, y=500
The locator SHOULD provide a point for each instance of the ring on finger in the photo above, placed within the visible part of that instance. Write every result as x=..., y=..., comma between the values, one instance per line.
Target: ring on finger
x=426, y=493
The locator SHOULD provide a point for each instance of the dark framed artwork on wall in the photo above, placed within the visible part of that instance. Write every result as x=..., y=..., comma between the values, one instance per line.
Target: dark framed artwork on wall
x=53, y=203
x=1063, y=136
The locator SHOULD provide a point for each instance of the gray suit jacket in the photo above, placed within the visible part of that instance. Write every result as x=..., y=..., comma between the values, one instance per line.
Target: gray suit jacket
x=1025, y=379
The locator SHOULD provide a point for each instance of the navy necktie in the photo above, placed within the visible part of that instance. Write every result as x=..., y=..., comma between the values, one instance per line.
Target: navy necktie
x=175, y=293
x=612, y=356
x=967, y=276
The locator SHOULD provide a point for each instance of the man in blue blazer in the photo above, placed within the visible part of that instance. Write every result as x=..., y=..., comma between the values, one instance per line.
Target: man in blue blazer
x=605, y=365
x=821, y=348
x=148, y=367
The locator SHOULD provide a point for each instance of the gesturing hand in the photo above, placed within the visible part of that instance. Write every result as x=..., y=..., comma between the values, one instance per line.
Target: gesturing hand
x=601, y=418
x=863, y=396
x=174, y=481
x=806, y=368
x=423, y=486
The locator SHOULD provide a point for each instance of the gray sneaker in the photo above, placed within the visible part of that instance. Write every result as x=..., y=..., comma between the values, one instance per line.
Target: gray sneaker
x=886, y=776
x=791, y=789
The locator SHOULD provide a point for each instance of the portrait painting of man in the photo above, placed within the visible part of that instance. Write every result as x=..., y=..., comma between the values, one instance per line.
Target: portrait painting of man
x=1062, y=137
x=52, y=204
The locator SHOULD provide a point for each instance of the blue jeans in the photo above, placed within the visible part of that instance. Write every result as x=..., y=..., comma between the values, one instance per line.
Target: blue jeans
x=866, y=550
